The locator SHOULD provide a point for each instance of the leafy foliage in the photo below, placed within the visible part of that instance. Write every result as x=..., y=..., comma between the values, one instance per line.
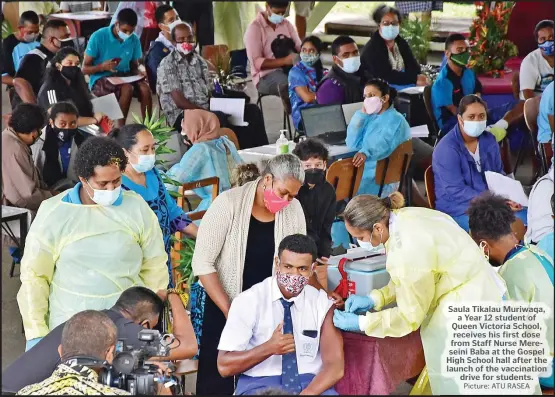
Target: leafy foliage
x=185, y=262
x=418, y=34
x=6, y=29
x=490, y=47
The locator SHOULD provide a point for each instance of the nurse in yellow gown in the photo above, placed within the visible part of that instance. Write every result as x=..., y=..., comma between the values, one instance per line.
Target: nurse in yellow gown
x=432, y=263
x=89, y=244
x=527, y=271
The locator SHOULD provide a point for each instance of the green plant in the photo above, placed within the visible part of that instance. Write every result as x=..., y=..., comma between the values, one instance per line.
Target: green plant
x=490, y=47
x=418, y=34
x=185, y=262
x=6, y=29
x=156, y=124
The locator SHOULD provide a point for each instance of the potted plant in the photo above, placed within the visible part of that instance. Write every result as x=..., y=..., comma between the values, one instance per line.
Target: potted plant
x=418, y=34
x=184, y=261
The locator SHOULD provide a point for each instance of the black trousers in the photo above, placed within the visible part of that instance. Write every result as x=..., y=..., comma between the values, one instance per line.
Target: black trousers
x=201, y=13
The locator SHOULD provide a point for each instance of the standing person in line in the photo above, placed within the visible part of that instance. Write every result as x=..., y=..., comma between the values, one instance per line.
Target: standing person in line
x=141, y=177
x=432, y=262
x=236, y=244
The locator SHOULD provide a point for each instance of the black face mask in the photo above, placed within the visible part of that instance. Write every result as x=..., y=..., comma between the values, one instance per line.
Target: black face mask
x=314, y=176
x=70, y=72
x=65, y=134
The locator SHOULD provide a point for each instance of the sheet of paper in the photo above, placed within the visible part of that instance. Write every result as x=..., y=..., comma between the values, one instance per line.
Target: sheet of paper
x=350, y=109
x=420, y=131
x=124, y=80
x=235, y=107
x=109, y=105
x=507, y=187
x=413, y=90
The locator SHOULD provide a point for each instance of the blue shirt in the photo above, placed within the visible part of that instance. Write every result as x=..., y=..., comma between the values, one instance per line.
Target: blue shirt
x=300, y=75
x=72, y=197
x=546, y=244
x=171, y=217
x=103, y=46
x=456, y=177
x=546, y=109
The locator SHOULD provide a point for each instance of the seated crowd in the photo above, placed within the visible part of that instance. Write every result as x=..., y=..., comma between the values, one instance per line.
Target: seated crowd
x=98, y=263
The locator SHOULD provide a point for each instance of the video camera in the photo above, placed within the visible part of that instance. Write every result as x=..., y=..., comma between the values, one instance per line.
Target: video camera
x=129, y=371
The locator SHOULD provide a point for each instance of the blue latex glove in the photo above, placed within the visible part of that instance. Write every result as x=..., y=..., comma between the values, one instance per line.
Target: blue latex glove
x=31, y=343
x=346, y=321
x=358, y=304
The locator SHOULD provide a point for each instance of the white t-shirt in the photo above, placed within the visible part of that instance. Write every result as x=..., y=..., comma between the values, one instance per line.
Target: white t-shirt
x=255, y=314
x=540, y=221
x=476, y=157
x=535, y=73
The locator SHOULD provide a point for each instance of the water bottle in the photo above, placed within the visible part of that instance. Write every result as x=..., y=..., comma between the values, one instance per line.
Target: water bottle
x=282, y=144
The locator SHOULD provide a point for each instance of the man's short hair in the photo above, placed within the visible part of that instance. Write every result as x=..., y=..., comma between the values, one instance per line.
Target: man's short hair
x=311, y=148
x=452, y=38
x=27, y=118
x=51, y=26
x=140, y=303
x=160, y=12
x=181, y=25
x=299, y=244
x=546, y=23
x=278, y=4
x=64, y=107
x=88, y=333
x=127, y=17
x=28, y=16
x=339, y=42
x=490, y=217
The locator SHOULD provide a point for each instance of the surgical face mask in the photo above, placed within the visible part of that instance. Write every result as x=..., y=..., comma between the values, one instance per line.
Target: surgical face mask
x=276, y=19
x=104, y=198
x=173, y=24
x=185, y=48
x=314, y=176
x=123, y=36
x=547, y=47
x=351, y=65
x=145, y=164
x=292, y=283
x=390, y=32
x=30, y=37
x=309, y=59
x=273, y=202
x=368, y=245
x=474, y=128
x=373, y=105
x=460, y=59
x=70, y=72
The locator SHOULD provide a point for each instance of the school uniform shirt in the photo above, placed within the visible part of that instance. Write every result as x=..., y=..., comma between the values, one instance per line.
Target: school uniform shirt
x=546, y=109
x=540, y=222
x=255, y=314
x=159, y=49
x=103, y=46
x=319, y=210
x=535, y=73
x=13, y=51
x=32, y=69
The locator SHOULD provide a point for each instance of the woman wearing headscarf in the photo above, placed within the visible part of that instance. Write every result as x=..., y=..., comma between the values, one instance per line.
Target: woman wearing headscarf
x=141, y=177
x=211, y=154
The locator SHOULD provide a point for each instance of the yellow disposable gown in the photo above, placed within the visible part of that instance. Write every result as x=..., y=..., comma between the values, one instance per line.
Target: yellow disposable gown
x=80, y=257
x=432, y=263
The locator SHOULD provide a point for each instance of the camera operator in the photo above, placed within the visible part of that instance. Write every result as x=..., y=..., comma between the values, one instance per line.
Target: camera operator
x=137, y=308
x=89, y=337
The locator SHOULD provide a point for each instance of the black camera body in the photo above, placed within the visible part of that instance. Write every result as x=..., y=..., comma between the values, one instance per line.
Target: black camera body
x=129, y=370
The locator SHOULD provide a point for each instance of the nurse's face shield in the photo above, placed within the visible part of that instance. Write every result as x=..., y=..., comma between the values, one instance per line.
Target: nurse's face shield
x=295, y=264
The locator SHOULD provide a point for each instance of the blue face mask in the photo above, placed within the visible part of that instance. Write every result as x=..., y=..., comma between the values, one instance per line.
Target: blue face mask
x=547, y=47
x=123, y=36
x=390, y=32
x=276, y=19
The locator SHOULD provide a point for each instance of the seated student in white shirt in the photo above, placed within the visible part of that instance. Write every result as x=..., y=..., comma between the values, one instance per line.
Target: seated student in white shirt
x=280, y=332
x=536, y=70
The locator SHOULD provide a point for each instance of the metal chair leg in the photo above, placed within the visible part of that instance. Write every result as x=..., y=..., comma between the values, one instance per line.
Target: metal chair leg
x=259, y=104
x=12, y=268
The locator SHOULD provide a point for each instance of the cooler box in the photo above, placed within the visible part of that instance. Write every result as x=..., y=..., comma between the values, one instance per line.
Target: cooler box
x=365, y=271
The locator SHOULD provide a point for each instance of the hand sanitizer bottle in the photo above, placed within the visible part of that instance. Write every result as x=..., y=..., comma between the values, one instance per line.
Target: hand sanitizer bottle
x=282, y=144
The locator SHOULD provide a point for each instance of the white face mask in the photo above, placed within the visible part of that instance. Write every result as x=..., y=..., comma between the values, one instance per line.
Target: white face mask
x=351, y=65
x=368, y=245
x=474, y=128
x=105, y=198
x=174, y=24
x=145, y=164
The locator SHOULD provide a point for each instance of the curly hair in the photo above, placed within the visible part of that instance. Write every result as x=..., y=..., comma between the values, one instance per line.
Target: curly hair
x=311, y=148
x=27, y=118
x=490, y=217
x=98, y=151
x=243, y=173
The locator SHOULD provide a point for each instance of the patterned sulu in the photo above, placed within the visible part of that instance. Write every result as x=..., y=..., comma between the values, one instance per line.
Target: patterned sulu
x=289, y=371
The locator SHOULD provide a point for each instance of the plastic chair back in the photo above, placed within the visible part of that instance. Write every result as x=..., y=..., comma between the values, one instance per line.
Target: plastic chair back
x=395, y=167
x=345, y=178
x=231, y=135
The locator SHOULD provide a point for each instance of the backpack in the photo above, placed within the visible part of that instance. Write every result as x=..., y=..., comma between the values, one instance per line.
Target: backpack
x=282, y=46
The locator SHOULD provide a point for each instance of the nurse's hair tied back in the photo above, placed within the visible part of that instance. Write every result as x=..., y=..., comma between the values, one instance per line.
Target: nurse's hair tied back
x=285, y=166
x=365, y=210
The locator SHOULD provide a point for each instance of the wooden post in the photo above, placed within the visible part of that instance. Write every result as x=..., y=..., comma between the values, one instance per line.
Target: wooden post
x=318, y=14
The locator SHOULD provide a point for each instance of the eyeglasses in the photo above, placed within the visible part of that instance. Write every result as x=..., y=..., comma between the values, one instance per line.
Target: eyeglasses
x=388, y=23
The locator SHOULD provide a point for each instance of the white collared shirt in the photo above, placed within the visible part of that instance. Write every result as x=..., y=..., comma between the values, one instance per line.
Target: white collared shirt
x=255, y=314
x=162, y=39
